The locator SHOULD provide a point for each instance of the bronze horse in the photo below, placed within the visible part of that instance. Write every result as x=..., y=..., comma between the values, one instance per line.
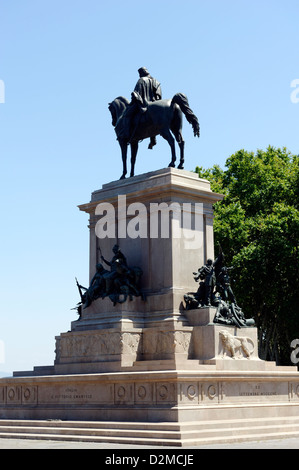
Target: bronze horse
x=160, y=118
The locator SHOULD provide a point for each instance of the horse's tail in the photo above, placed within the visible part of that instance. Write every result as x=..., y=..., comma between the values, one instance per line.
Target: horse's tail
x=182, y=101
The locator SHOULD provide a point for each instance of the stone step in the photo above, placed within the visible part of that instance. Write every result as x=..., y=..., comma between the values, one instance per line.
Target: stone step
x=190, y=364
x=99, y=432
x=57, y=423
x=152, y=426
x=162, y=434
x=101, y=439
x=149, y=434
x=152, y=441
x=210, y=440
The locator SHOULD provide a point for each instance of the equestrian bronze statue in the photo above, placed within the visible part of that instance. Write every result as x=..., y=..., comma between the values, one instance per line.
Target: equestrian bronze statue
x=146, y=116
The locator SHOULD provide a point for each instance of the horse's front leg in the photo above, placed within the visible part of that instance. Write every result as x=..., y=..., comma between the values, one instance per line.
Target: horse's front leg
x=124, y=149
x=134, y=150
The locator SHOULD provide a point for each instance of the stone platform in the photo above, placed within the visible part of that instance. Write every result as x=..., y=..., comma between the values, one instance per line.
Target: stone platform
x=179, y=407
x=181, y=376
x=150, y=366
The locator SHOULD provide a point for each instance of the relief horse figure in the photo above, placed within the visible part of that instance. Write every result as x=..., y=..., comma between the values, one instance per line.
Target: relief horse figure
x=163, y=117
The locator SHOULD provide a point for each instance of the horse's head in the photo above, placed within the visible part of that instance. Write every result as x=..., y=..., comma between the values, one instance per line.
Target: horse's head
x=117, y=107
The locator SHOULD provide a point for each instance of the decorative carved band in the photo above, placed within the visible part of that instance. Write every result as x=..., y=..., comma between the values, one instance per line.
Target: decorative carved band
x=98, y=344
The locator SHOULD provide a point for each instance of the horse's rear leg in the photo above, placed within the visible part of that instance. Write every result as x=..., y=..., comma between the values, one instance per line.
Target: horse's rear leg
x=181, y=142
x=182, y=158
x=134, y=150
x=182, y=154
x=167, y=136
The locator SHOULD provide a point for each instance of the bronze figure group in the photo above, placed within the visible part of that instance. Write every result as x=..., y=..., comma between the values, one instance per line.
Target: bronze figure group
x=118, y=283
x=215, y=291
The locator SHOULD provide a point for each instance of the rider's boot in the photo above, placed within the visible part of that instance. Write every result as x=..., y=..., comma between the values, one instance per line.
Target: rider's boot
x=152, y=143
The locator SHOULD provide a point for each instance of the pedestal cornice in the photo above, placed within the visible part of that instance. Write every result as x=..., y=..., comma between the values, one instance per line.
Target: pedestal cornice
x=172, y=183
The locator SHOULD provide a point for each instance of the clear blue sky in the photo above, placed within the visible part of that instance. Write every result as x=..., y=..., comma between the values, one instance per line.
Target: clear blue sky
x=61, y=63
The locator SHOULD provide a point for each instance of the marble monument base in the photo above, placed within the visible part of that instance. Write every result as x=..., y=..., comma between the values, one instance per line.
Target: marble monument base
x=149, y=371
x=145, y=379
x=182, y=407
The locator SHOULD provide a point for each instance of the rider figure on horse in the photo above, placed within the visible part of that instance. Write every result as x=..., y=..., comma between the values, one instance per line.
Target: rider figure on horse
x=147, y=90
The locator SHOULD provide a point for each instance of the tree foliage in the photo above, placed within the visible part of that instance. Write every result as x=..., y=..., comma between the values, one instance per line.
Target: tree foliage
x=257, y=225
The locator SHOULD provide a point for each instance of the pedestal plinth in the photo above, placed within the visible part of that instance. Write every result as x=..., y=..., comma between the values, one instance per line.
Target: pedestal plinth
x=172, y=212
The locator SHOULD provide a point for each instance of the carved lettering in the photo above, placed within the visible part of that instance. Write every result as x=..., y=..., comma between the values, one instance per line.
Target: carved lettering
x=70, y=396
x=257, y=394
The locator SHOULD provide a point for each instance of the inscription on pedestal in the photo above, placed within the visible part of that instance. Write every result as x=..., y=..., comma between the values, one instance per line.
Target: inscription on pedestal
x=237, y=392
x=76, y=395
x=71, y=394
x=255, y=391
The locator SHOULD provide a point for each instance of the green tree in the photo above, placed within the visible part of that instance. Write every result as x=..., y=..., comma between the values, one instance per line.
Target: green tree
x=257, y=225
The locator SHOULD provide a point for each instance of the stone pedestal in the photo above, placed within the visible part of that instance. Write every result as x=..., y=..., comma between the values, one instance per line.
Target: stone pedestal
x=172, y=210
x=176, y=234
x=151, y=361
